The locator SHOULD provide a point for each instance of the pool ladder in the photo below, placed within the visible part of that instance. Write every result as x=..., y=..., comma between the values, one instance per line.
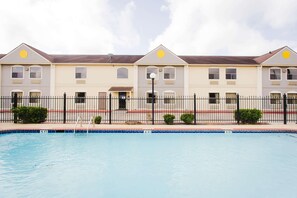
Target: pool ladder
x=91, y=121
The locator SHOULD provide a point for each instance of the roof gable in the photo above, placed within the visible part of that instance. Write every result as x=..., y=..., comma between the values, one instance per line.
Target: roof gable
x=25, y=54
x=160, y=56
x=281, y=56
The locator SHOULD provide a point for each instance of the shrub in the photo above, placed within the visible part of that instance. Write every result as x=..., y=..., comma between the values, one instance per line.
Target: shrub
x=168, y=118
x=187, y=118
x=97, y=119
x=30, y=114
x=248, y=116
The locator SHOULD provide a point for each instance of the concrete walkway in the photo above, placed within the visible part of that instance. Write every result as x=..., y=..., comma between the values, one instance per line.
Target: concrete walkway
x=271, y=127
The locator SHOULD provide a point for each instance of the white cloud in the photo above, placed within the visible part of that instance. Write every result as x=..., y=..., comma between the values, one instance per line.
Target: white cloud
x=229, y=27
x=66, y=26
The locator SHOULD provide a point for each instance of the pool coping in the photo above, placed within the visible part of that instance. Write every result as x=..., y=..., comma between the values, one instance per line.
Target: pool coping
x=105, y=128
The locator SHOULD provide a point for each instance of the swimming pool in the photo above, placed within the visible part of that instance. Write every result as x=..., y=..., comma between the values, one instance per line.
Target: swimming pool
x=148, y=165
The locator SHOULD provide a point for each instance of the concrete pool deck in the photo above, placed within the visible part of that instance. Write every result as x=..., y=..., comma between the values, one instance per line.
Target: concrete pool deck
x=292, y=127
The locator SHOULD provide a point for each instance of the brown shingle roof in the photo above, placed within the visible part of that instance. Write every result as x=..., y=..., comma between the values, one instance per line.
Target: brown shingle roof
x=95, y=58
x=2, y=55
x=219, y=59
x=264, y=57
x=45, y=55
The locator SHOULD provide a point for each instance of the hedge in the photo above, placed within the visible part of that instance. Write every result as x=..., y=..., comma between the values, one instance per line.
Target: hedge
x=30, y=114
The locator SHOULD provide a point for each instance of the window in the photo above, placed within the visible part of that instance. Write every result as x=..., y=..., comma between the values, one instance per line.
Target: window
x=17, y=72
x=230, y=98
x=80, y=72
x=292, y=74
x=169, y=97
x=150, y=70
x=122, y=73
x=34, y=97
x=275, y=98
x=19, y=96
x=35, y=72
x=149, y=97
x=80, y=97
x=292, y=98
x=213, y=73
x=169, y=73
x=230, y=74
x=275, y=74
x=214, y=98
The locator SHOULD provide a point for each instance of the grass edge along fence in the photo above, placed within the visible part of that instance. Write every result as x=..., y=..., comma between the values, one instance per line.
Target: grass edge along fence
x=114, y=110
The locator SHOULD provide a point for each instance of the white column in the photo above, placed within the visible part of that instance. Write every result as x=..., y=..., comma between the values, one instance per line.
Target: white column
x=135, y=86
x=53, y=80
x=259, y=83
x=186, y=80
x=1, y=80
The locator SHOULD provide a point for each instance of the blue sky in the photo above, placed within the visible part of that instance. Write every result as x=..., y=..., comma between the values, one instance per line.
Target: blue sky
x=186, y=27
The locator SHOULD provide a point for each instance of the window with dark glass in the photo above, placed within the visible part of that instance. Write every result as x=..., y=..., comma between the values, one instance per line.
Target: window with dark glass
x=150, y=70
x=80, y=97
x=35, y=72
x=169, y=97
x=80, y=72
x=214, y=98
x=34, y=97
x=275, y=74
x=275, y=98
x=213, y=73
x=19, y=96
x=149, y=97
x=230, y=74
x=230, y=98
x=17, y=72
x=291, y=74
x=292, y=98
x=169, y=73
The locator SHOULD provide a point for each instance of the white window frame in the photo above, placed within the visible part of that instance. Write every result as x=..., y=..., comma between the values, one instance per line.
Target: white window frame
x=280, y=73
x=209, y=73
x=230, y=92
x=32, y=91
x=78, y=98
x=217, y=99
x=280, y=99
x=76, y=73
x=157, y=74
x=291, y=68
x=156, y=97
x=169, y=67
x=231, y=75
x=36, y=66
x=291, y=92
x=17, y=90
x=174, y=97
x=23, y=68
x=122, y=69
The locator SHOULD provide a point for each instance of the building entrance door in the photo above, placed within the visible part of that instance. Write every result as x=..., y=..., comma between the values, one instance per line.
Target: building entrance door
x=122, y=100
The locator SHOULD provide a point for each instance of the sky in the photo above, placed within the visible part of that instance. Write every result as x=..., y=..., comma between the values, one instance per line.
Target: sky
x=186, y=27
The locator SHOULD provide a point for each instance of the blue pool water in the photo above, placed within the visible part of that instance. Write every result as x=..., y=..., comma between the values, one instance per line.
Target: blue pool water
x=148, y=165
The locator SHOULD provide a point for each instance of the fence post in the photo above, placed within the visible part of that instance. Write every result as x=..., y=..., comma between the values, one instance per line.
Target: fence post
x=237, y=108
x=195, y=118
x=285, y=108
x=64, y=107
x=15, y=105
x=109, y=108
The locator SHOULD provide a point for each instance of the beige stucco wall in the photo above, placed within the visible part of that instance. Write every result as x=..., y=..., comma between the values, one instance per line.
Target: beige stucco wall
x=99, y=79
x=244, y=85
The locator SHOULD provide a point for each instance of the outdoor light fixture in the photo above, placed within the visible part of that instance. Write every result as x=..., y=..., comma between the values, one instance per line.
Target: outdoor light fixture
x=153, y=76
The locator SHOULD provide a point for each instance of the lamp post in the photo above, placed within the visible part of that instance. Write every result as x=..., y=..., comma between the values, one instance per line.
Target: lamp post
x=153, y=76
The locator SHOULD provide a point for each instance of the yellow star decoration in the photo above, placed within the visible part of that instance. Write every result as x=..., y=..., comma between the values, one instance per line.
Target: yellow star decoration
x=160, y=53
x=286, y=54
x=23, y=54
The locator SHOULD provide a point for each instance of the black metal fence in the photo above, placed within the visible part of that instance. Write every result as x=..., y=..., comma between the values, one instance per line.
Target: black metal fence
x=113, y=110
